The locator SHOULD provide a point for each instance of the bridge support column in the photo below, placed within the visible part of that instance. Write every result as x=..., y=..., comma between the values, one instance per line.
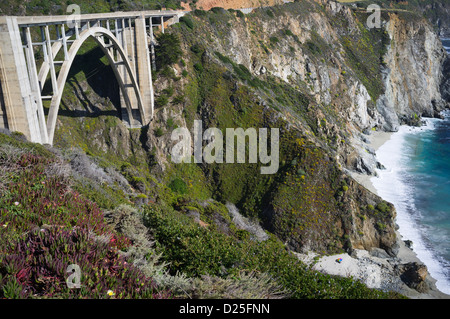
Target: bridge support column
x=143, y=69
x=19, y=108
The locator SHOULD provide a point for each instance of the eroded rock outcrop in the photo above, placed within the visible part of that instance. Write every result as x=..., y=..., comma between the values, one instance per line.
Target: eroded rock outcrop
x=413, y=73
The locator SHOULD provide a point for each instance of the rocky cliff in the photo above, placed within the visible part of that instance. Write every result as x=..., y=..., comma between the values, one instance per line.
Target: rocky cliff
x=413, y=73
x=390, y=76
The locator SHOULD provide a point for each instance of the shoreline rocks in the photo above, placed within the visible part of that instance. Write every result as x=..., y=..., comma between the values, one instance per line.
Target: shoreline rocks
x=403, y=273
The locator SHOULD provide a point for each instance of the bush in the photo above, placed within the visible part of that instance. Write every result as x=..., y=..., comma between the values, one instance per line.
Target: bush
x=196, y=251
x=168, y=50
x=223, y=58
x=240, y=14
x=198, y=67
x=168, y=91
x=187, y=21
x=383, y=207
x=217, y=10
x=178, y=99
x=162, y=100
x=288, y=32
x=273, y=40
x=159, y=132
x=199, y=13
x=170, y=123
x=242, y=72
x=168, y=72
x=313, y=48
x=197, y=49
x=178, y=186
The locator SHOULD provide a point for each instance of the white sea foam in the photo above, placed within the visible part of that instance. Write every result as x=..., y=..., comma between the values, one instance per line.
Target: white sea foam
x=390, y=185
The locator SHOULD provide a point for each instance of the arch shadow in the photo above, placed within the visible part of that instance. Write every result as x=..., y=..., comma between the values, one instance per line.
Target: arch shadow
x=98, y=34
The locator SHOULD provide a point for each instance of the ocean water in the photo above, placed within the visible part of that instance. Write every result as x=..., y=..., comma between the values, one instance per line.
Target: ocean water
x=446, y=43
x=417, y=181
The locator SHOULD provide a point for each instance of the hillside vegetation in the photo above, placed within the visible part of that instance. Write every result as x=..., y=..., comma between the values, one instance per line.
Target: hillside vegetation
x=151, y=251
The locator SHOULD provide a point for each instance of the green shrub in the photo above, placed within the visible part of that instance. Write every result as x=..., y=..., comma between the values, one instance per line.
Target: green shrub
x=167, y=72
x=168, y=50
x=381, y=226
x=187, y=21
x=198, y=67
x=197, y=48
x=178, y=99
x=162, y=100
x=383, y=207
x=313, y=48
x=199, y=13
x=217, y=10
x=223, y=58
x=242, y=71
x=197, y=251
x=269, y=12
x=273, y=40
x=170, y=123
x=168, y=91
x=178, y=186
x=288, y=32
x=159, y=132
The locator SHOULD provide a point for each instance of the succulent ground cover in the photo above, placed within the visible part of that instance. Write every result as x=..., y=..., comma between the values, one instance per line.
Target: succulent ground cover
x=45, y=226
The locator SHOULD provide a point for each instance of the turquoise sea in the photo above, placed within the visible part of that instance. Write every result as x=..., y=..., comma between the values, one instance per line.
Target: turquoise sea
x=417, y=181
x=446, y=43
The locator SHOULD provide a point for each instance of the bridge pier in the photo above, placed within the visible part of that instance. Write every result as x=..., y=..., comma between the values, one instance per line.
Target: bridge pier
x=19, y=102
x=144, y=72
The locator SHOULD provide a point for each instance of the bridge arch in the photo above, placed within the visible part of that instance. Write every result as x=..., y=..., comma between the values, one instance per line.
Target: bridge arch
x=116, y=33
x=99, y=34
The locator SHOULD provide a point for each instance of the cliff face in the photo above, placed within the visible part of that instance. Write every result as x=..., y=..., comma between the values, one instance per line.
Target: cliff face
x=378, y=78
x=413, y=73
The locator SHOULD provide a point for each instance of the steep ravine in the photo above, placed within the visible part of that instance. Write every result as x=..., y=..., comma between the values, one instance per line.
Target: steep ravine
x=311, y=68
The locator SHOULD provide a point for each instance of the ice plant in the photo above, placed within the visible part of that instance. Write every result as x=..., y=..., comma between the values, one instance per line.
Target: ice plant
x=51, y=227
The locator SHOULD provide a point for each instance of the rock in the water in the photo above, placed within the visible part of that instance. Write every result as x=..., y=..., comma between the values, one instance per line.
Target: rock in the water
x=414, y=274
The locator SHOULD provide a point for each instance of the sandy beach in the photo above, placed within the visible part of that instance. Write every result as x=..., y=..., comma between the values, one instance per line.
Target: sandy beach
x=375, y=268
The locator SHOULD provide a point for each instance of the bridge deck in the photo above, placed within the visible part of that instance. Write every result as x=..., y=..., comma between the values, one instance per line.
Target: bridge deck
x=58, y=19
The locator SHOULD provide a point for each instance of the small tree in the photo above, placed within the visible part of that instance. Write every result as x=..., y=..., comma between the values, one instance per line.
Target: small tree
x=168, y=50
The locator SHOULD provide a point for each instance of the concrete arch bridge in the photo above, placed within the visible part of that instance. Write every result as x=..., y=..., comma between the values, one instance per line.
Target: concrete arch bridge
x=126, y=38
